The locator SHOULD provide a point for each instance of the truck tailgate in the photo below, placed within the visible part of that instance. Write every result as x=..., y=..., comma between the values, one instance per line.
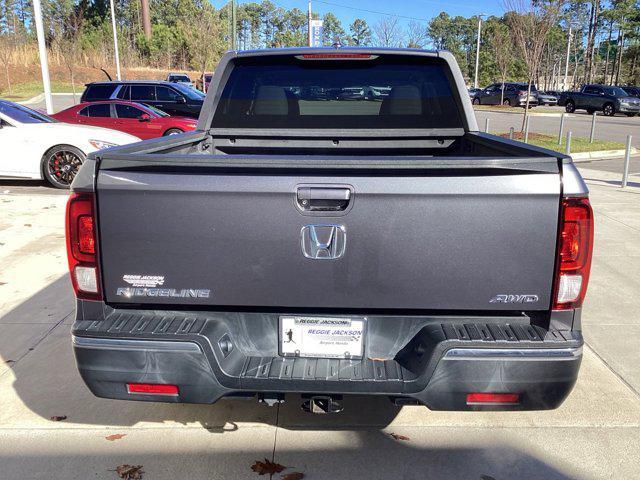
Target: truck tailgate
x=484, y=239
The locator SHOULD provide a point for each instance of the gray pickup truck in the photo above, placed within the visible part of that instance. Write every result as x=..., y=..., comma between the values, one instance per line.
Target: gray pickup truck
x=600, y=98
x=325, y=248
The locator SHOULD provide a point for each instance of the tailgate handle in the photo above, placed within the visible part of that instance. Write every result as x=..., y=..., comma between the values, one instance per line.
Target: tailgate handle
x=318, y=199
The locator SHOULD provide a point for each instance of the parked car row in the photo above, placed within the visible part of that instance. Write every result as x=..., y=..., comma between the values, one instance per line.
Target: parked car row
x=511, y=94
x=37, y=146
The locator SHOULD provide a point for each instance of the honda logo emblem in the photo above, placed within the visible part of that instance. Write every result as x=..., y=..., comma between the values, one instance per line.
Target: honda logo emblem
x=323, y=242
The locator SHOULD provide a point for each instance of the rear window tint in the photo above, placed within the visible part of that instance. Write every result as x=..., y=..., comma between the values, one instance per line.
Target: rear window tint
x=98, y=92
x=100, y=110
x=387, y=92
x=143, y=92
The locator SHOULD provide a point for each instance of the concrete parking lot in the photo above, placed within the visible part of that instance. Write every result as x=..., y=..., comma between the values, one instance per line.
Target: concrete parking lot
x=594, y=435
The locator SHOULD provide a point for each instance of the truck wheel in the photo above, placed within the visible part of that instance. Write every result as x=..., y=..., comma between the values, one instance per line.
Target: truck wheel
x=172, y=131
x=476, y=101
x=570, y=107
x=60, y=164
x=506, y=102
x=609, y=110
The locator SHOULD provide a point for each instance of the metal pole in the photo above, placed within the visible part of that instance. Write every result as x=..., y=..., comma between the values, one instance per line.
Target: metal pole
x=234, y=26
x=42, y=47
x=568, y=146
x=593, y=127
x=561, y=132
x=115, y=40
x=526, y=130
x=566, y=65
x=627, y=156
x=511, y=133
x=310, y=16
x=475, y=80
x=486, y=125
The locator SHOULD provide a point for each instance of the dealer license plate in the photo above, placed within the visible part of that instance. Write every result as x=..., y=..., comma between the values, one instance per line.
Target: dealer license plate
x=321, y=337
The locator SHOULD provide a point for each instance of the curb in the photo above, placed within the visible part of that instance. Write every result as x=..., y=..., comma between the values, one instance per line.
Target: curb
x=531, y=113
x=602, y=154
x=39, y=98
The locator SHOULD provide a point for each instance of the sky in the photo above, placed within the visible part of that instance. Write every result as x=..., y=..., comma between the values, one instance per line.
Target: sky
x=373, y=10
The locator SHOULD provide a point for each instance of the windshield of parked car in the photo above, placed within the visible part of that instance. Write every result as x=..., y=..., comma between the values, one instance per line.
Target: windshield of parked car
x=189, y=92
x=382, y=92
x=179, y=78
x=23, y=114
x=615, y=92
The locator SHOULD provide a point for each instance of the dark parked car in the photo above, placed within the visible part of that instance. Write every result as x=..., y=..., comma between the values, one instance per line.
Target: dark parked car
x=245, y=259
x=515, y=95
x=173, y=98
x=593, y=98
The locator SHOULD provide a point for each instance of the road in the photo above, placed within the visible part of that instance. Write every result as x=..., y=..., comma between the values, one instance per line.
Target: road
x=607, y=128
x=594, y=435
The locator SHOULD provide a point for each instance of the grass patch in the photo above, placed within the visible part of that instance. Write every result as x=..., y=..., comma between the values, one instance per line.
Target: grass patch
x=578, y=144
x=25, y=91
x=502, y=108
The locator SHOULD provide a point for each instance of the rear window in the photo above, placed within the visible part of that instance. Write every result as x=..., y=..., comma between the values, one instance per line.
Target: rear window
x=98, y=92
x=386, y=92
x=101, y=110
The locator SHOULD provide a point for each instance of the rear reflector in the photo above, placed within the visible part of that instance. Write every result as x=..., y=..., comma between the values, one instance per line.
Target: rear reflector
x=86, y=279
x=481, y=398
x=575, y=247
x=152, y=389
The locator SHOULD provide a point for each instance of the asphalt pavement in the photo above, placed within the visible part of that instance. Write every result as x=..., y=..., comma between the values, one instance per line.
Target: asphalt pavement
x=607, y=128
x=594, y=435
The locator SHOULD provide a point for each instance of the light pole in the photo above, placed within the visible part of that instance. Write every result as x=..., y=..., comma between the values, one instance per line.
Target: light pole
x=42, y=46
x=115, y=39
x=475, y=80
x=566, y=64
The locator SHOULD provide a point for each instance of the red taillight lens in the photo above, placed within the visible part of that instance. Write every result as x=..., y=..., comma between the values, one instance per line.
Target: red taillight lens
x=82, y=246
x=86, y=238
x=575, y=247
x=152, y=389
x=482, y=398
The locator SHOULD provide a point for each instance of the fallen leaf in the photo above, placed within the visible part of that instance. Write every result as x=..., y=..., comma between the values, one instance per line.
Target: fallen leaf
x=293, y=476
x=27, y=224
x=486, y=477
x=397, y=436
x=267, y=467
x=58, y=418
x=130, y=472
x=9, y=361
x=115, y=436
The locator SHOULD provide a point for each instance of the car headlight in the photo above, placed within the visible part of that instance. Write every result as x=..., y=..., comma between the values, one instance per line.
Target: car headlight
x=100, y=144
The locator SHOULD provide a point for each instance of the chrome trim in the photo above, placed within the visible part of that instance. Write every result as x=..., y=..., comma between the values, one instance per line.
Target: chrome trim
x=122, y=344
x=513, y=354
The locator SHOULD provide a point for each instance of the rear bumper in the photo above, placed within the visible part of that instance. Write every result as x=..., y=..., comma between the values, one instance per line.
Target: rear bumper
x=437, y=365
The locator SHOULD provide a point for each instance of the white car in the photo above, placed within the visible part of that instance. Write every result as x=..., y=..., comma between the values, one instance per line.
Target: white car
x=34, y=145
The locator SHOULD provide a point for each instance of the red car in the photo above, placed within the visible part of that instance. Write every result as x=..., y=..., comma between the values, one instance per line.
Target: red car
x=138, y=119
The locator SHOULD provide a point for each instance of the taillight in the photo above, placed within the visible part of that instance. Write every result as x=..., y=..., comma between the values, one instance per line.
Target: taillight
x=82, y=246
x=336, y=56
x=575, y=247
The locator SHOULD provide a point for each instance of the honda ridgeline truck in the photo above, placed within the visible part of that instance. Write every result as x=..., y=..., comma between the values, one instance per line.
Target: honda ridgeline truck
x=324, y=248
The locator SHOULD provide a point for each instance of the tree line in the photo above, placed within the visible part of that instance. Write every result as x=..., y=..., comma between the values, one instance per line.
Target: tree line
x=529, y=42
